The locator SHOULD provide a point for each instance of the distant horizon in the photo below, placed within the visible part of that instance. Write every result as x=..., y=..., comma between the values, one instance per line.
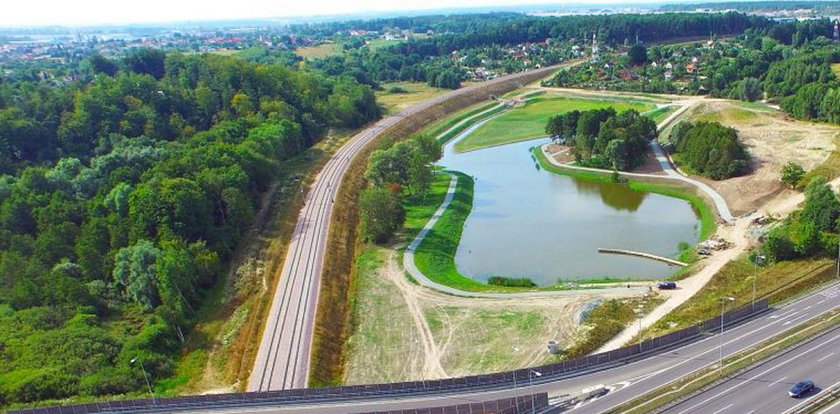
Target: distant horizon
x=18, y=17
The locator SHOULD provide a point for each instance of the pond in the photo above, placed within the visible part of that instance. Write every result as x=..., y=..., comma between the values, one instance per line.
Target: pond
x=527, y=222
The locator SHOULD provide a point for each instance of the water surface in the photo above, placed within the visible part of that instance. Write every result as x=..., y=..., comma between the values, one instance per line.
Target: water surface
x=527, y=222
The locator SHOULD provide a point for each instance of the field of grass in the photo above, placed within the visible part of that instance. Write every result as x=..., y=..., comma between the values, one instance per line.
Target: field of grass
x=528, y=122
x=439, y=127
x=701, y=207
x=730, y=115
x=321, y=51
x=836, y=69
x=416, y=92
x=382, y=325
x=659, y=114
x=778, y=281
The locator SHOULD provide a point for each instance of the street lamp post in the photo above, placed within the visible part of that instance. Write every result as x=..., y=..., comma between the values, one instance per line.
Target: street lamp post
x=146, y=377
x=756, y=261
x=531, y=385
x=723, y=301
x=639, y=314
x=513, y=350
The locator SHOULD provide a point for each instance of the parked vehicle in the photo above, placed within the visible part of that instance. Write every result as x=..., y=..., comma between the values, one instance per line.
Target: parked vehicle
x=667, y=285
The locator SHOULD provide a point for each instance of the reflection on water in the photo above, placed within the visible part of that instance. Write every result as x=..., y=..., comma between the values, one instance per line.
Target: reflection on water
x=614, y=195
x=531, y=223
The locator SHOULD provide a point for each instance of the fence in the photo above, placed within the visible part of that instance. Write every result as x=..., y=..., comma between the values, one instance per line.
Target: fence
x=521, y=404
x=474, y=382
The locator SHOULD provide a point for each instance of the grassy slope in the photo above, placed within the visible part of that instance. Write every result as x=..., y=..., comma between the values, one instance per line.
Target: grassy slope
x=529, y=121
x=778, y=281
x=706, y=213
x=435, y=256
x=417, y=92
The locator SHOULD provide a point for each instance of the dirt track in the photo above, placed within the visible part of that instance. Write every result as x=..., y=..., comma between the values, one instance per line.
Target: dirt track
x=433, y=335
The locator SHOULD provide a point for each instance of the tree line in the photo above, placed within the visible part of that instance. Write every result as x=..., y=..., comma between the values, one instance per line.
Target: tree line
x=426, y=59
x=403, y=169
x=123, y=198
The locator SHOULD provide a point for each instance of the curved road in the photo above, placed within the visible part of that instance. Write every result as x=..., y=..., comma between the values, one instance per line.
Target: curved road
x=282, y=360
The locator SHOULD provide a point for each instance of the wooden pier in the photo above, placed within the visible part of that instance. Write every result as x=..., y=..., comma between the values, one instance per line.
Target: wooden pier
x=645, y=255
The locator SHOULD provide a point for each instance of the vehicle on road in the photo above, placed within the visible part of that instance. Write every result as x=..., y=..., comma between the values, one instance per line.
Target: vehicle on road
x=801, y=388
x=667, y=285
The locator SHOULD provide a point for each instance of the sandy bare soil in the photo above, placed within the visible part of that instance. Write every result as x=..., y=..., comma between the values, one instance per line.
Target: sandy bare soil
x=773, y=139
x=408, y=332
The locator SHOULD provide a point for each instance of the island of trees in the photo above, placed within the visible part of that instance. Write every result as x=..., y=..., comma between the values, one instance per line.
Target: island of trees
x=600, y=138
x=709, y=149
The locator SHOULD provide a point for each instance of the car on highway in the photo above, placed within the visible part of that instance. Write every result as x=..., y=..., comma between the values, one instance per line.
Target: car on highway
x=801, y=388
x=667, y=285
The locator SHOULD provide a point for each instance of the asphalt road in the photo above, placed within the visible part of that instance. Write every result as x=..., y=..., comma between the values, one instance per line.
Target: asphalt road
x=626, y=381
x=764, y=389
x=282, y=360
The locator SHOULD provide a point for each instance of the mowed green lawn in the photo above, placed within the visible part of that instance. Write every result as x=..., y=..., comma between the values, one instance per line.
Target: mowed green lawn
x=528, y=122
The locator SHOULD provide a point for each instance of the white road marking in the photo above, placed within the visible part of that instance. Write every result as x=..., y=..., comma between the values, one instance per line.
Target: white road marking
x=776, y=381
x=724, y=408
x=756, y=376
x=825, y=357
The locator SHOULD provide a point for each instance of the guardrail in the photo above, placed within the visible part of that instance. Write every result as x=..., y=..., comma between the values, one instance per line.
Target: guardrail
x=520, y=404
x=810, y=406
x=498, y=380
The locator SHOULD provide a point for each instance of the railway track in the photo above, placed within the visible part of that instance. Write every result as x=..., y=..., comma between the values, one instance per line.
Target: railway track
x=282, y=360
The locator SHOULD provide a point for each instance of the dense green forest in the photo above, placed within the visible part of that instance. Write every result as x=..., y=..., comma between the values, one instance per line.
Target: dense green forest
x=123, y=198
x=600, y=138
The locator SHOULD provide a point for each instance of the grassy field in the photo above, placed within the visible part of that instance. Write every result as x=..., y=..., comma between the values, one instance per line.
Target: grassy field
x=836, y=69
x=381, y=328
x=701, y=207
x=528, y=121
x=416, y=92
x=659, y=114
x=320, y=51
x=443, y=124
x=777, y=282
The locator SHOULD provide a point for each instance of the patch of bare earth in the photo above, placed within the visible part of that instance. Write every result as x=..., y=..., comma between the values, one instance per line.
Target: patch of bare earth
x=773, y=139
x=407, y=332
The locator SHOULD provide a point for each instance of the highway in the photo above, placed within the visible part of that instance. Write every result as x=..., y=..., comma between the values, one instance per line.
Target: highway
x=764, y=388
x=282, y=361
x=626, y=380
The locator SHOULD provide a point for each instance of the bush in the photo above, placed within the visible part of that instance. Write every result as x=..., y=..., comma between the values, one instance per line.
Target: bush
x=511, y=282
x=397, y=89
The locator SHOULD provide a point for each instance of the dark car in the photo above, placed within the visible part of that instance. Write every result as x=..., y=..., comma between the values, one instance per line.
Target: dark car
x=801, y=388
x=667, y=285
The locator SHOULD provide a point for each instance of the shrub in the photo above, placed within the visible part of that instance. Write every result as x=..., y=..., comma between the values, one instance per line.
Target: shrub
x=511, y=282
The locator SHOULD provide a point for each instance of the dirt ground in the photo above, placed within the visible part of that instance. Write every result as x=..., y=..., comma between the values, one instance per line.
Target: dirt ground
x=773, y=139
x=407, y=332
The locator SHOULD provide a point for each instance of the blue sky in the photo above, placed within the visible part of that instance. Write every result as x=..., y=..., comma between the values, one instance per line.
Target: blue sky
x=83, y=12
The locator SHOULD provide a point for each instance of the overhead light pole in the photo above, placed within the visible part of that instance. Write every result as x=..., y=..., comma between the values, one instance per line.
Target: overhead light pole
x=757, y=260
x=531, y=385
x=723, y=301
x=146, y=376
